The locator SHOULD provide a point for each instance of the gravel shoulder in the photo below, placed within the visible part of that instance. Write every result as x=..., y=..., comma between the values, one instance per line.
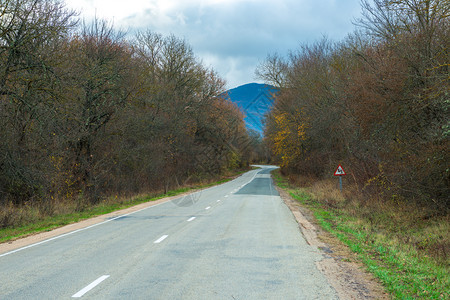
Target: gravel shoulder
x=340, y=266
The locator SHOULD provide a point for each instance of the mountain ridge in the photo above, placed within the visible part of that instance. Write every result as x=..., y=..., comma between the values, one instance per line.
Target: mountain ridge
x=255, y=100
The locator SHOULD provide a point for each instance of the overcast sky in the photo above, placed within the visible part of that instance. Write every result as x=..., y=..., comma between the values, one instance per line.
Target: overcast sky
x=231, y=36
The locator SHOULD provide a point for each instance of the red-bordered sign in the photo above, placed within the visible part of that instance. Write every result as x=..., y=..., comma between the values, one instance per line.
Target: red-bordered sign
x=339, y=171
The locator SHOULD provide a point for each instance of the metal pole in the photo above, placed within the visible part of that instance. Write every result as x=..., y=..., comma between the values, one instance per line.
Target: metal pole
x=340, y=183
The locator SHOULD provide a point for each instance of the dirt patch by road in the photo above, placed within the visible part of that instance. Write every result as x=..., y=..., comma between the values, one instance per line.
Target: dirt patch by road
x=339, y=265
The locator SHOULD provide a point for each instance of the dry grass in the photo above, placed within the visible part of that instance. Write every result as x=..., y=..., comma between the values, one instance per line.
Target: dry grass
x=404, y=245
x=401, y=223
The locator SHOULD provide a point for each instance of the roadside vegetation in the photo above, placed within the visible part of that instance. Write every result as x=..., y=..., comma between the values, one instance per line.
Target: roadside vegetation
x=377, y=103
x=88, y=113
x=403, y=248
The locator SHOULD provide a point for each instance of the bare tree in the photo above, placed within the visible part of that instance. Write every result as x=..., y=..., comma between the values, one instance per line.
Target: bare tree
x=100, y=84
x=30, y=31
x=273, y=70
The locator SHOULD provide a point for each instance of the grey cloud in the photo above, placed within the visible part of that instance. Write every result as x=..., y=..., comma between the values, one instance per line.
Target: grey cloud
x=247, y=31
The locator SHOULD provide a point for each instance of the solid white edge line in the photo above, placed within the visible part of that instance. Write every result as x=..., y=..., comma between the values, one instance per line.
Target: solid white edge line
x=78, y=230
x=160, y=239
x=207, y=207
x=90, y=286
x=191, y=219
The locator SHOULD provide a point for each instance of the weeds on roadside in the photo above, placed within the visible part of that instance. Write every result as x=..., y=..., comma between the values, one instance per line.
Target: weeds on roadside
x=405, y=251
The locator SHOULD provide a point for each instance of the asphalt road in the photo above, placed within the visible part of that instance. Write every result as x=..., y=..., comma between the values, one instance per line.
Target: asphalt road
x=237, y=240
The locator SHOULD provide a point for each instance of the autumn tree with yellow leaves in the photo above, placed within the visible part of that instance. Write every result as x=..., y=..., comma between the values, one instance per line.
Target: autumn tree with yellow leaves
x=288, y=137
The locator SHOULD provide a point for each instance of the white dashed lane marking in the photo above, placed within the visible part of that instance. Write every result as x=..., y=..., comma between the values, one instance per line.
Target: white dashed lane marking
x=90, y=286
x=160, y=239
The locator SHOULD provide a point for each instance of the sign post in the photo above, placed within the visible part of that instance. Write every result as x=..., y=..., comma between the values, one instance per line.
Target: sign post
x=340, y=172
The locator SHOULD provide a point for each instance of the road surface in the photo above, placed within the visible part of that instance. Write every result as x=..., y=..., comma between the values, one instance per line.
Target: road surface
x=237, y=240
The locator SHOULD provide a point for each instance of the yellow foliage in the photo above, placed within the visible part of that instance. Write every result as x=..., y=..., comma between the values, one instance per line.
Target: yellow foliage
x=289, y=137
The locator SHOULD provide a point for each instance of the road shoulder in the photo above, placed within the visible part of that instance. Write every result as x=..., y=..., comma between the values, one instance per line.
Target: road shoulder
x=339, y=265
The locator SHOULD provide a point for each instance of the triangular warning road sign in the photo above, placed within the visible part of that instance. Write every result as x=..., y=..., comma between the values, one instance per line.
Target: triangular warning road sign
x=339, y=171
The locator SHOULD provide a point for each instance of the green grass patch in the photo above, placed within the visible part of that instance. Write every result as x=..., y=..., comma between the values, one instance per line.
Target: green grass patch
x=405, y=272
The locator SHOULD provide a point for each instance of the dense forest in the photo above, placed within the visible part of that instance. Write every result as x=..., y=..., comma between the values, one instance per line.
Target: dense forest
x=377, y=102
x=87, y=112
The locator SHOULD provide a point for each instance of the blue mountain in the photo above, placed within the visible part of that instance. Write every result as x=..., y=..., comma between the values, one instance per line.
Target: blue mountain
x=254, y=100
